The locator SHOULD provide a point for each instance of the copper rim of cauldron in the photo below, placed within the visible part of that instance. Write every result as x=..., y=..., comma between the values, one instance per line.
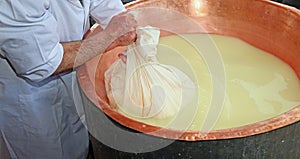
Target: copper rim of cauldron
x=287, y=118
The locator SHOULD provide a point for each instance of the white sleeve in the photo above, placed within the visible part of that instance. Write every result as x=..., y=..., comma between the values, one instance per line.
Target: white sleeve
x=103, y=10
x=29, y=38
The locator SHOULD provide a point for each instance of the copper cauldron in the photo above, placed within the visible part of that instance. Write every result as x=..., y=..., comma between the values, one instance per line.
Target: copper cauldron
x=267, y=25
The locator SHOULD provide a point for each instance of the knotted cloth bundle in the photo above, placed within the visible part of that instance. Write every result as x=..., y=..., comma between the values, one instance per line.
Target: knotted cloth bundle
x=142, y=87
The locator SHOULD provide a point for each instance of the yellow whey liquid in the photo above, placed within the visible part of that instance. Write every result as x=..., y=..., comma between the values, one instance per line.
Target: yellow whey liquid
x=258, y=86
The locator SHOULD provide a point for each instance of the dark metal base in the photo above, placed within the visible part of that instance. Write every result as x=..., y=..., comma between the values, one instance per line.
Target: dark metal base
x=283, y=143
x=279, y=144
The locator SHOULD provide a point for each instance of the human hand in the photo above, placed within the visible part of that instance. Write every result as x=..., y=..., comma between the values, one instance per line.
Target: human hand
x=122, y=29
x=123, y=40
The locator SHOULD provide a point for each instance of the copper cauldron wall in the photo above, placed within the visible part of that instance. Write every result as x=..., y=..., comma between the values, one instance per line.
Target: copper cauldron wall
x=267, y=25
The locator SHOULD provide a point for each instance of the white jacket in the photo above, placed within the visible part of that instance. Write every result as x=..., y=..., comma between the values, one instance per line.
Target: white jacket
x=38, y=119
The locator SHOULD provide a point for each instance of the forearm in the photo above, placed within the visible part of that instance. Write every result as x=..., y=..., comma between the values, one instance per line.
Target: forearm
x=78, y=52
x=119, y=32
